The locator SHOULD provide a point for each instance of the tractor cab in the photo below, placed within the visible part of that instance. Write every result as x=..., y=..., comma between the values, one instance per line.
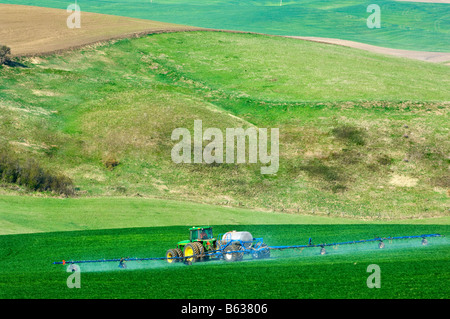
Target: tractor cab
x=200, y=233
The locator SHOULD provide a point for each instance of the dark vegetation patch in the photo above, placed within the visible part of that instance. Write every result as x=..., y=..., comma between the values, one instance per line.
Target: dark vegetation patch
x=349, y=134
x=5, y=54
x=29, y=173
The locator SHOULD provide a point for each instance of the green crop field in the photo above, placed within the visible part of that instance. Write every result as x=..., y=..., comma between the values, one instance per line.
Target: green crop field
x=408, y=270
x=404, y=25
x=86, y=169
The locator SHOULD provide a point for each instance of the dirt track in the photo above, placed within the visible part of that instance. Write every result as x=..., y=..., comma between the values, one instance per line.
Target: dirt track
x=436, y=57
x=29, y=30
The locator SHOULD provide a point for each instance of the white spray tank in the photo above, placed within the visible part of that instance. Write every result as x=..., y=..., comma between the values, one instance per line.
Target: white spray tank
x=243, y=236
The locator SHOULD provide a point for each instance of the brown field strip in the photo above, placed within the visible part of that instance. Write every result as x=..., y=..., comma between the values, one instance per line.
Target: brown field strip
x=29, y=30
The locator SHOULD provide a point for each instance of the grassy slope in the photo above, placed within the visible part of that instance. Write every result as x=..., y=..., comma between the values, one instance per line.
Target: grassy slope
x=135, y=92
x=324, y=18
x=277, y=69
x=30, y=215
x=51, y=214
x=407, y=269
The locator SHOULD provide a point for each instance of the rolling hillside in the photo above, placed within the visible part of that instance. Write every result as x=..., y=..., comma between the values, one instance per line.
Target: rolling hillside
x=356, y=138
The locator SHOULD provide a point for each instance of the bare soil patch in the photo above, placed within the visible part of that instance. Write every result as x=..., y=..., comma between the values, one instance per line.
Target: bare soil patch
x=30, y=30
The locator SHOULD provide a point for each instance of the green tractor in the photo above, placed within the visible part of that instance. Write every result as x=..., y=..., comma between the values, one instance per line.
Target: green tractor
x=200, y=242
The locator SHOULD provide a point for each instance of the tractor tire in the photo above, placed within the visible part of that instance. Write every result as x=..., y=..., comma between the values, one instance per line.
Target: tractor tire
x=179, y=255
x=256, y=255
x=201, y=251
x=179, y=252
x=240, y=256
x=235, y=255
x=171, y=253
x=191, y=253
x=262, y=252
x=265, y=252
x=381, y=245
x=424, y=242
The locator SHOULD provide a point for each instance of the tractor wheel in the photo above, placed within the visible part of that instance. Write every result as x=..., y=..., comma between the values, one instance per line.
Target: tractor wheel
x=179, y=252
x=201, y=251
x=256, y=254
x=240, y=256
x=381, y=245
x=424, y=242
x=231, y=253
x=172, y=253
x=179, y=255
x=190, y=253
x=262, y=252
x=265, y=252
x=323, y=251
